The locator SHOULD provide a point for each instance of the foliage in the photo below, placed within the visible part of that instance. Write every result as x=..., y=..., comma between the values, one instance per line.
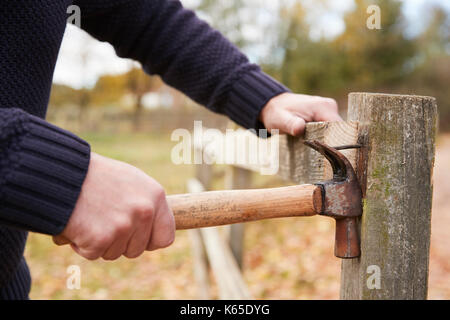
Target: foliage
x=359, y=59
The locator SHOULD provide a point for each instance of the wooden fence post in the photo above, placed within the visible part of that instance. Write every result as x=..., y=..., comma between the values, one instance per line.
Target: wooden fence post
x=395, y=170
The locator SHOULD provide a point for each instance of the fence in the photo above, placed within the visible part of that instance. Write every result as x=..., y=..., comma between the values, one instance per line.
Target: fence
x=395, y=169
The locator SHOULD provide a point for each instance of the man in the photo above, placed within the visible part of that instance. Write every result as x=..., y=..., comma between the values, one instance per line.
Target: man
x=51, y=183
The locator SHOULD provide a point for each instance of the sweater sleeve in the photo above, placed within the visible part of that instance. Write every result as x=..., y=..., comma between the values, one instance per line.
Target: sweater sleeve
x=186, y=52
x=41, y=172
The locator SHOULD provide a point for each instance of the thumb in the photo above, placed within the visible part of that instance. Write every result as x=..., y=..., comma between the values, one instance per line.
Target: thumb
x=60, y=240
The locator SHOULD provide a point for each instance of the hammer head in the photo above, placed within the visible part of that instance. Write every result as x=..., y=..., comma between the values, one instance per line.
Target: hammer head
x=341, y=200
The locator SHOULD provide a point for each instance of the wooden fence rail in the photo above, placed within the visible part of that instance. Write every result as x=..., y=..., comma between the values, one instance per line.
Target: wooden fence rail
x=211, y=249
x=394, y=166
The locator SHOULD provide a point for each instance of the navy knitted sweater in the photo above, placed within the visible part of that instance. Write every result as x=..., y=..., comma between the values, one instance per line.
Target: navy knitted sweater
x=42, y=167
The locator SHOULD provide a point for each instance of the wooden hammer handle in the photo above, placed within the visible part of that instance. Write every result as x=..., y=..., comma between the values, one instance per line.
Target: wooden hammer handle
x=215, y=208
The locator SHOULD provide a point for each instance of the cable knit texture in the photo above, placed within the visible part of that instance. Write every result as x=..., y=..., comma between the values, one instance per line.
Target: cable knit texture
x=43, y=166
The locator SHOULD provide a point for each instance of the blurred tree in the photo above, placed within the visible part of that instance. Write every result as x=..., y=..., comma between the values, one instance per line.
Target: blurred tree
x=358, y=59
x=253, y=26
x=435, y=40
x=225, y=16
x=431, y=75
x=108, y=90
x=62, y=95
x=309, y=66
x=375, y=57
x=138, y=83
x=84, y=96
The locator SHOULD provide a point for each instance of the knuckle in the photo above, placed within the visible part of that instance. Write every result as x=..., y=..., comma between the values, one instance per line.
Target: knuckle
x=102, y=241
x=162, y=243
x=144, y=210
x=165, y=235
x=331, y=103
x=122, y=227
x=160, y=195
x=167, y=240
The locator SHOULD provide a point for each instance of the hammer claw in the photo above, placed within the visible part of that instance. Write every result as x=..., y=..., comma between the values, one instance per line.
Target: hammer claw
x=342, y=198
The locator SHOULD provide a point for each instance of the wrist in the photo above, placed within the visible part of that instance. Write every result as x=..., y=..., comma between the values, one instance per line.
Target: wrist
x=270, y=106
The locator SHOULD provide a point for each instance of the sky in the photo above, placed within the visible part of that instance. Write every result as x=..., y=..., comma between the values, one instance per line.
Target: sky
x=83, y=59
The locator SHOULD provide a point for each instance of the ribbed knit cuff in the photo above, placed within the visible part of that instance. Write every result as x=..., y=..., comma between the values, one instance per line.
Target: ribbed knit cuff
x=46, y=167
x=249, y=95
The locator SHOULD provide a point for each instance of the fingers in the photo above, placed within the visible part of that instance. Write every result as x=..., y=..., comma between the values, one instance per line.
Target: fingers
x=150, y=234
x=89, y=253
x=117, y=248
x=293, y=124
x=288, y=122
x=289, y=112
x=163, y=231
x=326, y=109
x=99, y=242
x=139, y=241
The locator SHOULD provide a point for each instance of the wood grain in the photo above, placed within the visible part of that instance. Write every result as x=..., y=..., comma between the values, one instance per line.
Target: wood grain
x=199, y=256
x=215, y=208
x=398, y=133
x=301, y=164
x=224, y=266
x=237, y=178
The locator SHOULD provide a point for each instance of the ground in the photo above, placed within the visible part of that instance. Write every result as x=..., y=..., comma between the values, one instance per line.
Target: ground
x=284, y=259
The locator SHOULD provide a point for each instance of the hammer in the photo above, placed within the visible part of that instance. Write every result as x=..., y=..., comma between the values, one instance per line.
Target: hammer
x=339, y=198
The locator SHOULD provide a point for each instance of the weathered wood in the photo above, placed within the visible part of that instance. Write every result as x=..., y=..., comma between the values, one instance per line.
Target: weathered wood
x=240, y=148
x=200, y=259
x=225, y=269
x=237, y=178
x=398, y=133
x=200, y=265
x=207, y=244
x=296, y=162
x=301, y=164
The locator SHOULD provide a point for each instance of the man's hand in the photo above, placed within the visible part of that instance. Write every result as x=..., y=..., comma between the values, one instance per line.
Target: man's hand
x=120, y=211
x=289, y=112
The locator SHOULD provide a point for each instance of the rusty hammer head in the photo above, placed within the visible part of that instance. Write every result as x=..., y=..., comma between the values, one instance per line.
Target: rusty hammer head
x=341, y=200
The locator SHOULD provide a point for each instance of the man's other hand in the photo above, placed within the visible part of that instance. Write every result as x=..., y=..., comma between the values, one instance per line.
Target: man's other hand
x=289, y=112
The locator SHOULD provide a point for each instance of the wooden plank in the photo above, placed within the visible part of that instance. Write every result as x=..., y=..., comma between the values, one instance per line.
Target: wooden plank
x=224, y=266
x=221, y=259
x=398, y=133
x=237, y=178
x=201, y=273
x=301, y=164
x=240, y=148
x=296, y=162
x=200, y=259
